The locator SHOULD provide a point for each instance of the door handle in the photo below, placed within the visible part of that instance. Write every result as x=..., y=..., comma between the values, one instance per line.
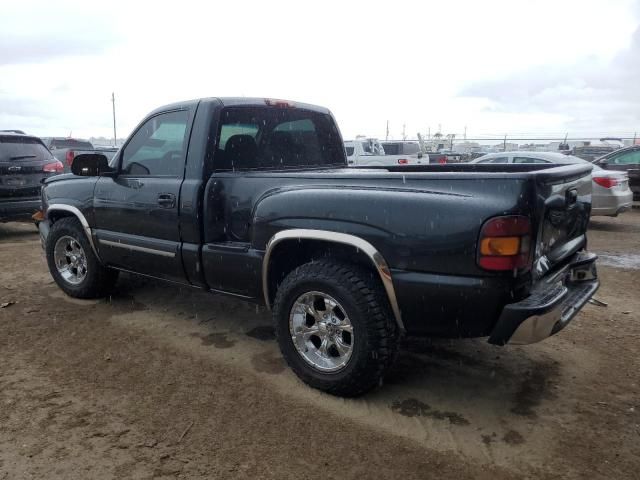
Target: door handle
x=167, y=200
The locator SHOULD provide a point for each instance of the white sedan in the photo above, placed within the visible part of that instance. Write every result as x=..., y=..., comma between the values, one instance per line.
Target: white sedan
x=611, y=194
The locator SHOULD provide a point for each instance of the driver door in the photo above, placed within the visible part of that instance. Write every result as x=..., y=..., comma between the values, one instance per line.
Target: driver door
x=136, y=211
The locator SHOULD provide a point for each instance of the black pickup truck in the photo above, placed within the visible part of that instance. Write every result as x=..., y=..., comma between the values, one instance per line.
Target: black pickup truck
x=253, y=198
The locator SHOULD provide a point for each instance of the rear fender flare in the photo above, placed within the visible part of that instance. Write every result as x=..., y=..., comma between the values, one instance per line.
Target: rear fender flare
x=369, y=250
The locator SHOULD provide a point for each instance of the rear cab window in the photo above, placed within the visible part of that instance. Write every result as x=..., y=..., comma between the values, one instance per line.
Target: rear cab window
x=267, y=138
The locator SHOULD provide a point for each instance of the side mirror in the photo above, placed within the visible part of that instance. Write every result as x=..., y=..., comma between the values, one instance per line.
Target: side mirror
x=90, y=165
x=603, y=163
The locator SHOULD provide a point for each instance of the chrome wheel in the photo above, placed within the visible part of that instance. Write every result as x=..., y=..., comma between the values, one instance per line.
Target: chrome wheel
x=70, y=260
x=321, y=331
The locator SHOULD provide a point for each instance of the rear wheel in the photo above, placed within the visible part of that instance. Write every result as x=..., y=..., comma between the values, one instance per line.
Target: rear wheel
x=72, y=263
x=334, y=327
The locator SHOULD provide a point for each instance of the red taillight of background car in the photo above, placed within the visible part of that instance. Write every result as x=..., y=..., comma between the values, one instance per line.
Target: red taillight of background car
x=69, y=157
x=505, y=243
x=606, y=182
x=53, y=167
x=442, y=160
x=403, y=161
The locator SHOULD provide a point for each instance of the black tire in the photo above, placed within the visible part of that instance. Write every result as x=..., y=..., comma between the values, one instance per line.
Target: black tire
x=98, y=281
x=375, y=334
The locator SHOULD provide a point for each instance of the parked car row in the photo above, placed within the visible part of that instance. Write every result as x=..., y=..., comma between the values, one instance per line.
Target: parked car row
x=611, y=191
x=25, y=160
x=371, y=152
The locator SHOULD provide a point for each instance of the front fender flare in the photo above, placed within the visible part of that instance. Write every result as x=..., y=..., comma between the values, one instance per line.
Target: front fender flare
x=81, y=218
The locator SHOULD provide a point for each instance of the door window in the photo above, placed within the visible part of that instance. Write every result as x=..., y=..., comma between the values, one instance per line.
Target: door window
x=495, y=160
x=528, y=160
x=158, y=147
x=626, y=158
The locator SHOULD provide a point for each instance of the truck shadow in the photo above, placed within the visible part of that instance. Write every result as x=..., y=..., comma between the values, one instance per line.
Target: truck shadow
x=463, y=383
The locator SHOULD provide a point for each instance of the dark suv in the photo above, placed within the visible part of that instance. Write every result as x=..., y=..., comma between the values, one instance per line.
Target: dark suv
x=24, y=162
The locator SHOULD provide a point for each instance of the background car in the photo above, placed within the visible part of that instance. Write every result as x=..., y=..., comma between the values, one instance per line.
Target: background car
x=24, y=162
x=611, y=194
x=66, y=149
x=624, y=160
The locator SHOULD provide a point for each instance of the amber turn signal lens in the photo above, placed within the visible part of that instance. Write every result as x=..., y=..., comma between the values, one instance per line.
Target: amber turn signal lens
x=38, y=216
x=502, y=246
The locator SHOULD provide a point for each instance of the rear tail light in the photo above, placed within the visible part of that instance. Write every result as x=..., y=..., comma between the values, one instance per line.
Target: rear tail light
x=505, y=243
x=403, y=161
x=606, y=182
x=69, y=157
x=442, y=160
x=53, y=167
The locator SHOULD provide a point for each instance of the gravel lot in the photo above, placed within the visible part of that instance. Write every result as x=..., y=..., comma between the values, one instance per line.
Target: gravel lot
x=163, y=382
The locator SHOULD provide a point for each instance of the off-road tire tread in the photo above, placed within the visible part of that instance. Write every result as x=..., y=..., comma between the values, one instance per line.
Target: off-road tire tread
x=371, y=300
x=99, y=281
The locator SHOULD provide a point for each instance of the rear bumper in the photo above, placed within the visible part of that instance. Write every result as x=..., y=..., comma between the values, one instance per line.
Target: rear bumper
x=551, y=306
x=19, y=208
x=611, y=204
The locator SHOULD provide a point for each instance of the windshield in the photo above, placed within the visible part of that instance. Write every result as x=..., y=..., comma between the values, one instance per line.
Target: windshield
x=20, y=149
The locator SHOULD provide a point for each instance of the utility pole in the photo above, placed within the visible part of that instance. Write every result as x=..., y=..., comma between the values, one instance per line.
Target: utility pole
x=115, y=136
x=505, y=143
x=387, y=135
x=429, y=133
x=465, y=133
x=634, y=138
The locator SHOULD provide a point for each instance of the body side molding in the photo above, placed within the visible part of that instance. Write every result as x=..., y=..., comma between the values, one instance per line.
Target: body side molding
x=328, y=236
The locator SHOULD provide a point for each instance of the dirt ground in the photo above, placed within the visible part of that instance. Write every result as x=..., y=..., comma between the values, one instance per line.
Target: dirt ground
x=163, y=382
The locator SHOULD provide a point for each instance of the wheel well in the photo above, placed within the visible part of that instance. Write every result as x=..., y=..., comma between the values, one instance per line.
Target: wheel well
x=56, y=215
x=290, y=254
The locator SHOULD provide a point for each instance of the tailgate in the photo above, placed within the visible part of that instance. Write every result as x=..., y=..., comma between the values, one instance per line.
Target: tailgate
x=20, y=180
x=563, y=207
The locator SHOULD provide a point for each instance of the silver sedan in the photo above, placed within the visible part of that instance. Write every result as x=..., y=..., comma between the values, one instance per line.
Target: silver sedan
x=611, y=194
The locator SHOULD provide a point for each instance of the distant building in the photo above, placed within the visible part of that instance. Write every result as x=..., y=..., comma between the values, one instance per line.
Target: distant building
x=506, y=147
x=467, y=147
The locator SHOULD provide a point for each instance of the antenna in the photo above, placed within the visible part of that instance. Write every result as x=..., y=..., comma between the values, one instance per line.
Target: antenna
x=115, y=137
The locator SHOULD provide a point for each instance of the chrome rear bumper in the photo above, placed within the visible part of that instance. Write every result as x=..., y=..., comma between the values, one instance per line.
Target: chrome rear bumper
x=552, y=304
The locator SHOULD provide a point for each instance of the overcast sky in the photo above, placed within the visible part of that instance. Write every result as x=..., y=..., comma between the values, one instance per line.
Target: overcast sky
x=519, y=67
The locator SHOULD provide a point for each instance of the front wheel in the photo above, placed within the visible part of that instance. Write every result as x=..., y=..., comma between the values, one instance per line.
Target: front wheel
x=72, y=263
x=334, y=327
